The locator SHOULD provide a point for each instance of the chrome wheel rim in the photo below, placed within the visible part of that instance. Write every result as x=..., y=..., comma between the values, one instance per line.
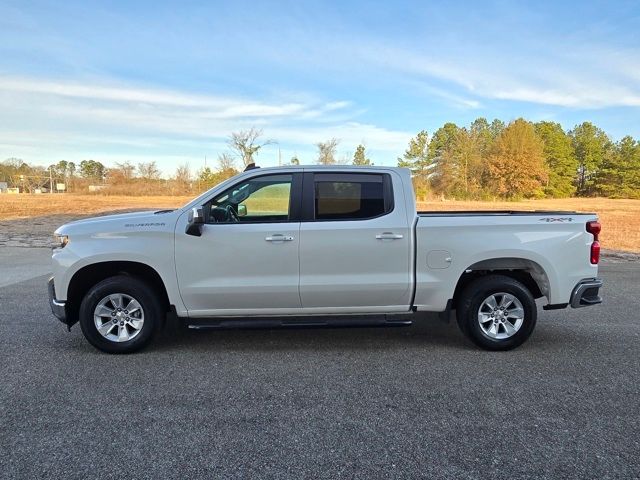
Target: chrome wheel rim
x=118, y=317
x=500, y=316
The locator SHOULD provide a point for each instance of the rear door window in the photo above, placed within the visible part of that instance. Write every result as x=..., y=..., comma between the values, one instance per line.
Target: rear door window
x=351, y=196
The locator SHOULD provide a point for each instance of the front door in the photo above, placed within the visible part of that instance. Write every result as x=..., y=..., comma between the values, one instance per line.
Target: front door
x=246, y=261
x=355, y=244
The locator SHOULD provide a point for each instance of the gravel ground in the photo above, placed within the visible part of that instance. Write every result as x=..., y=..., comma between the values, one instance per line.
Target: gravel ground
x=37, y=231
x=416, y=402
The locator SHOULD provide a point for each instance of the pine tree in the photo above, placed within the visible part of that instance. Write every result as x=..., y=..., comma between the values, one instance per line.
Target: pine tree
x=619, y=173
x=468, y=151
x=484, y=135
x=496, y=128
x=560, y=160
x=590, y=145
x=444, y=163
x=416, y=159
x=360, y=156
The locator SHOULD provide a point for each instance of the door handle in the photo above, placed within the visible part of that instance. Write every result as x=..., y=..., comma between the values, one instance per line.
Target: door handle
x=389, y=236
x=279, y=238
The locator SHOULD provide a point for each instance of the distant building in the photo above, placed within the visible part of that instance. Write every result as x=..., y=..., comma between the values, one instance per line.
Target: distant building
x=3, y=187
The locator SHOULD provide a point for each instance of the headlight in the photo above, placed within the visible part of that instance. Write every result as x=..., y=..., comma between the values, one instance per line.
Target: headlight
x=60, y=241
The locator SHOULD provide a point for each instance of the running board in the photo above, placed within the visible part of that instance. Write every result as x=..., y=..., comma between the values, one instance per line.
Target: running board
x=224, y=323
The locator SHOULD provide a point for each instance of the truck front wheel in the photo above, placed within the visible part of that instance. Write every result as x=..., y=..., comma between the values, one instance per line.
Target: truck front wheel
x=120, y=314
x=496, y=312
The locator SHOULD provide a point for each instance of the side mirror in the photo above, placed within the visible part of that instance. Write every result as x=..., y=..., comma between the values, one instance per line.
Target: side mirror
x=242, y=210
x=195, y=220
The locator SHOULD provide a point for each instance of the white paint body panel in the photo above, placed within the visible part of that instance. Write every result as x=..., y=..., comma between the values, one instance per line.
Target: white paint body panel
x=232, y=269
x=344, y=265
x=562, y=250
x=142, y=237
x=331, y=267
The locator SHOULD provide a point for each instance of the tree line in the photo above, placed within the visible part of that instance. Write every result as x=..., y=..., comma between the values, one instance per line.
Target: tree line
x=521, y=159
x=18, y=173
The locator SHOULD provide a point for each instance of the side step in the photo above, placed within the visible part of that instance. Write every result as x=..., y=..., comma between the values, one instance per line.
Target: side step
x=349, y=321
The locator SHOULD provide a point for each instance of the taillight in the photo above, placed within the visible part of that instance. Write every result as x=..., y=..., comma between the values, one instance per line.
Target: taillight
x=595, y=252
x=594, y=229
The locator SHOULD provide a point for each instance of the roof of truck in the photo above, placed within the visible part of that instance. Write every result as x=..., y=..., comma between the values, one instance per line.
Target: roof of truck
x=330, y=167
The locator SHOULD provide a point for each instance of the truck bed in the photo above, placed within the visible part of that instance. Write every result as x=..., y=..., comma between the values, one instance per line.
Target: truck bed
x=475, y=213
x=554, y=246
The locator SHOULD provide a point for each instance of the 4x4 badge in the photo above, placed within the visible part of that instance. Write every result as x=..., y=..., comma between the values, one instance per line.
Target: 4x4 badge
x=556, y=219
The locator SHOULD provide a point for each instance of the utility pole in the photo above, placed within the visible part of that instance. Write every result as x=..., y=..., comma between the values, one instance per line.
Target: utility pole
x=50, y=181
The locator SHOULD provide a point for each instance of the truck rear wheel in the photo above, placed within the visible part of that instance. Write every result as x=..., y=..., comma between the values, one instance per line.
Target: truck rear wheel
x=496, y=312
x=120, y=314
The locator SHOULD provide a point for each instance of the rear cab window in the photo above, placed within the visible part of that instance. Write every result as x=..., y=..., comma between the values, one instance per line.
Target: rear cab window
x=351, y=196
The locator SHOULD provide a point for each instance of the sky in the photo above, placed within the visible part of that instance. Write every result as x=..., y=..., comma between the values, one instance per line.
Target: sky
x=140, y=81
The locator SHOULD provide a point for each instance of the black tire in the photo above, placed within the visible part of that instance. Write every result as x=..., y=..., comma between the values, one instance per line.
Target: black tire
x=473, y=296
x=145, y=295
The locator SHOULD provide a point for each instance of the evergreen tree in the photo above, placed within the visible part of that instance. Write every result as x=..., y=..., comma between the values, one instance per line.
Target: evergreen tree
x=468, y=150
x=559, y=158
x=619, y=174
x=416, y=159
x=360, y=156
x=496, y=128
x=484, y=135
x=416, y=156
x=590, y=145
x=444, y=163
x=92, y=169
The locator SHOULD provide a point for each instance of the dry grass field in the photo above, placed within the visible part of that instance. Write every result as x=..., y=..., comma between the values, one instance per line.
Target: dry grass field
x=620, y=218
x=26, y=206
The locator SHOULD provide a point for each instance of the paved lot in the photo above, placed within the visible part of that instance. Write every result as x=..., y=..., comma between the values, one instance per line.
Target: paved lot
x=340, y=403
x=18, y=264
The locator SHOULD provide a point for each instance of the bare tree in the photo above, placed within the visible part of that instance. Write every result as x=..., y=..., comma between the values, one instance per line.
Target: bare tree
x=226, y=162
x=126, y=169
x=327, y=151
x=246, y=144
x=183, y=174
x=149, y=170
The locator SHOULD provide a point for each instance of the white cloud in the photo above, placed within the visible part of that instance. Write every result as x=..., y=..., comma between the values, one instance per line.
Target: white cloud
x=45, y=121
x=545, y=70
x=223, y=107
x=579, y=80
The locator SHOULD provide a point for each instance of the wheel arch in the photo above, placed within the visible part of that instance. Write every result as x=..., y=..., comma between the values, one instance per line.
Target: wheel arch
x=526, y=271
x=91, y=274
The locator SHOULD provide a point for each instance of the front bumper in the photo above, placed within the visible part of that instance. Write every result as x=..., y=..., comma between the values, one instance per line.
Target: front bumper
x=586, y=293
x=59, y=309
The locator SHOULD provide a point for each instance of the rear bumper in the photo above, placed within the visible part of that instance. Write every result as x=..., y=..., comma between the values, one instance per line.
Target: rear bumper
x=586, y=293
x=59, y=309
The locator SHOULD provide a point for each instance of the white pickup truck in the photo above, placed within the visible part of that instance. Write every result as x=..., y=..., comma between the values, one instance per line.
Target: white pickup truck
x=321, y=245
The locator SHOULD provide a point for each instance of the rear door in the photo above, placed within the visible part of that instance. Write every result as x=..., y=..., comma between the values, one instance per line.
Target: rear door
x=354, y=244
